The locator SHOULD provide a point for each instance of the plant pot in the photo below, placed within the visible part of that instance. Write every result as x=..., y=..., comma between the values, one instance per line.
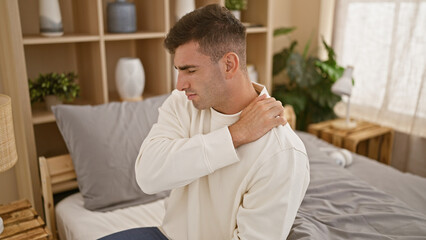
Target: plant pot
x=51, y=100
x=50, y=18
x=130, y=79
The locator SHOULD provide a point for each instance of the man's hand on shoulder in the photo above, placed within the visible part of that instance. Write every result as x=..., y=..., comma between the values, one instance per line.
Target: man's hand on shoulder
x=258, y=118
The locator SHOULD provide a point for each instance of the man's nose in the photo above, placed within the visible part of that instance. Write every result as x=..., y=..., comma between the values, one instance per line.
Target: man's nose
x=182, y=82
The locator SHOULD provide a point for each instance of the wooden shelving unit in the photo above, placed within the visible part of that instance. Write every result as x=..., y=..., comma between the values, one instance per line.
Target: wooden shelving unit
x=87, y=49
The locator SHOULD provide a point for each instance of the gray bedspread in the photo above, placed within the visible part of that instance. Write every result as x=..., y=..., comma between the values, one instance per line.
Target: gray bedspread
x=340, y=205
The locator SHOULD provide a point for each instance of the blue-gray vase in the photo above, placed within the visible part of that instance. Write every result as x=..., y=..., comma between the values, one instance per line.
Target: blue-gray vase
x=121, y=17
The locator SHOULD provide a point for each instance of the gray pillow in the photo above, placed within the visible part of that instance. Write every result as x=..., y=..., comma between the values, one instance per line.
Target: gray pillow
x=104, y=142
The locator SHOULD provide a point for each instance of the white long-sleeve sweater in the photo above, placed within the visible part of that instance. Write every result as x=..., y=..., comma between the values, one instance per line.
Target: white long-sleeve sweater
x=219, y=192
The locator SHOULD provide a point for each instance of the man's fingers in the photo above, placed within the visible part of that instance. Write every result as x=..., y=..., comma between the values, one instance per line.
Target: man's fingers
x=280, y=121
x=276, y=111
x=267, y=104
x=254, y=102
x=277, y=114
x=259, y=98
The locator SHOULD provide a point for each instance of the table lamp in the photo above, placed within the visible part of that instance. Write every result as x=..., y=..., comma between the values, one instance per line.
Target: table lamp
x=343, y=87
x=8, y=154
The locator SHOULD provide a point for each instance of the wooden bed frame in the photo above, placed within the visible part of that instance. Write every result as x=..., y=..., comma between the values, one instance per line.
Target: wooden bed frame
x=58, y=175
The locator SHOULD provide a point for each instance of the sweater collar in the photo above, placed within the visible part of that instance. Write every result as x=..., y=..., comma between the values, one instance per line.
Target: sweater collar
x=228, y=119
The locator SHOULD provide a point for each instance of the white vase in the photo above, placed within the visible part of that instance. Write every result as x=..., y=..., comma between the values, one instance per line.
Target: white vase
x=183, y=7
x=175, y=77
x=50, y=18
x=51, y=100
x=237, y=14
x=130, y=79
x=1, y=225
x=251, y=70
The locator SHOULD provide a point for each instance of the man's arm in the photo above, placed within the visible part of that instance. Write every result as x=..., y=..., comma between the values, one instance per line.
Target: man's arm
x=169, y=158
x=269, y=207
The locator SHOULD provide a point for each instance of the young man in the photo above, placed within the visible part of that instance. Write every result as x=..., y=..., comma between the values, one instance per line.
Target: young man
x=235, y=171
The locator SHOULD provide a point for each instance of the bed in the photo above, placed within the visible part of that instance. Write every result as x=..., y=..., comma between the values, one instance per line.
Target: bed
x=365, y=200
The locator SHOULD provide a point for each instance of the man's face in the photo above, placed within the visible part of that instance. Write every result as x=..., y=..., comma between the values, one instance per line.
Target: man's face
x=199, y=77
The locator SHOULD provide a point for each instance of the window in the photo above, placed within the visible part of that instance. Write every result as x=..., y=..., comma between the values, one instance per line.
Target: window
x=385, y=42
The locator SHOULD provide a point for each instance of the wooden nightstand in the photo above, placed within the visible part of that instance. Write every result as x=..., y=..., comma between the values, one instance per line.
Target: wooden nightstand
x=367, y=139
x=21, y=221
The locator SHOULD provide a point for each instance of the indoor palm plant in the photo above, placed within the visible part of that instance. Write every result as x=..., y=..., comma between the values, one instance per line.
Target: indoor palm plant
x=308, y=87
x=59, y=85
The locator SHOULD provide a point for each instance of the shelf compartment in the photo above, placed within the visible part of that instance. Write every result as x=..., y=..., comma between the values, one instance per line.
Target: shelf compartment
x=150, y=15
x=67, y=38
x=41, y=115
x=49, y=141
x=258, y=56
x=130, y=36
x=256, y=12
x=78, y=17
x=80, y=58
x=152, y=55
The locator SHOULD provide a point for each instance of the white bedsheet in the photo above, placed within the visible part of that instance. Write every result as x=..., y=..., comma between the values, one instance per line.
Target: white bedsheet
x=82, y=224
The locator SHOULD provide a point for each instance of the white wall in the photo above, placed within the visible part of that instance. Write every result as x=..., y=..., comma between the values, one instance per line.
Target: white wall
x=302, y=14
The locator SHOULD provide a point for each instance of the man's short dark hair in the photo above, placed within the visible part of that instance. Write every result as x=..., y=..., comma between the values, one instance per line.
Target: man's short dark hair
x=214, y=28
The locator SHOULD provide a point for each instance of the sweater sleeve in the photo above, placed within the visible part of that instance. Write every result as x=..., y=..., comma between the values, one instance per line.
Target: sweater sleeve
x=269, y=207
x=170, y=158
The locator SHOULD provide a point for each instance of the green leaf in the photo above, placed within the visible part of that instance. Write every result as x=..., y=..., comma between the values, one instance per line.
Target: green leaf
x=322, y=95
x=306, y=49
x=303, y=73
x=292, y=46
x=283, y=31
x=294, y=97
x=279, y=63
x=332, y=71
x=331, y=55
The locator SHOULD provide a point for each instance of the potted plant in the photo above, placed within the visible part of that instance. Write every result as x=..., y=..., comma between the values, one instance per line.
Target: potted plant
x=308, y=87
x=235, y=6
x=54, y=88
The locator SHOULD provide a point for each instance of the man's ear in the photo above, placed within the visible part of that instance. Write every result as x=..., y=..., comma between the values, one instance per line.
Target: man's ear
x=231, y=64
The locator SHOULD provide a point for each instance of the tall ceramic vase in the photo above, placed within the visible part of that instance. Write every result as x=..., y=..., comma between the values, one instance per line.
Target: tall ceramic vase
x=183, y=7
x=50, y=18
x=130, y=79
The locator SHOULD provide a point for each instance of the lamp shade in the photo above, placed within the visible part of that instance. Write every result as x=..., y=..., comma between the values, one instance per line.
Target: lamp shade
x=343, y=86
x=8, y=154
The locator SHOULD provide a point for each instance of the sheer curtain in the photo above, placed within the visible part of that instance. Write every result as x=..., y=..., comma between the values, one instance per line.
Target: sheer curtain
x=385, y=42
